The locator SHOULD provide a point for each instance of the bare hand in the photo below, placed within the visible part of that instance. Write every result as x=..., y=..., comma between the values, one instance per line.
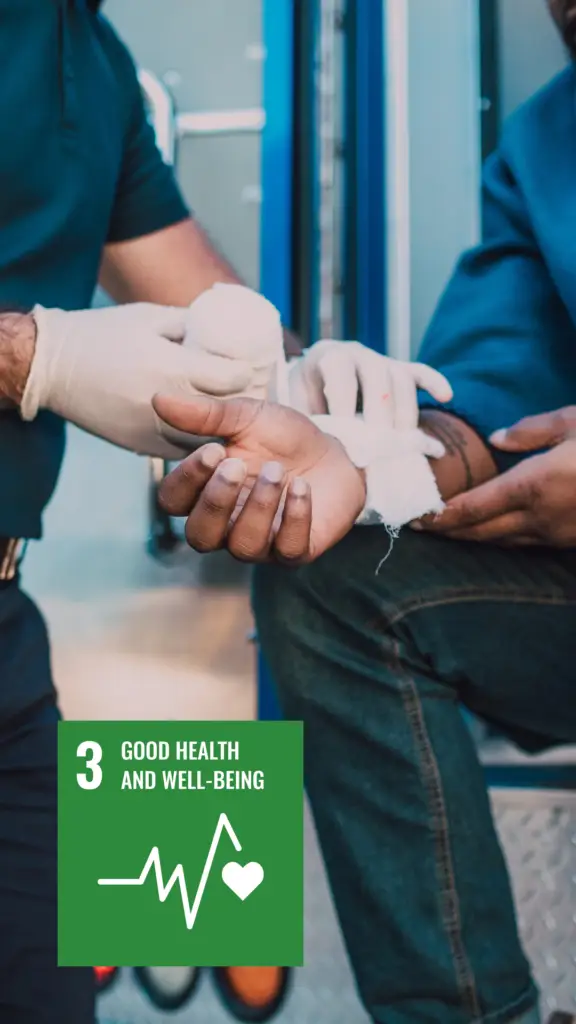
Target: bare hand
x=280, y=488
x=533, y=503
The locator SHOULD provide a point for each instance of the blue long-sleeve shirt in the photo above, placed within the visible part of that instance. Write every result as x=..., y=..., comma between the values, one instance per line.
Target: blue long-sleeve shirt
x=504, y=332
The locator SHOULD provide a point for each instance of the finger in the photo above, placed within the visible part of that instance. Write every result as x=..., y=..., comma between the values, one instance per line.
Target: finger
x=406, y=412
x=521, y=541
x=250, y=538
x=431, y=446
x=207, y=524
x=376, y=385
x=215, y=375
x=166, y=321
x=340, y=383
x=432, y=381
x=180, y=489
x=495, y=498
x=535, y=432
x=506, y=527
x=292, y=541
x=208, y=417
x=169, y=322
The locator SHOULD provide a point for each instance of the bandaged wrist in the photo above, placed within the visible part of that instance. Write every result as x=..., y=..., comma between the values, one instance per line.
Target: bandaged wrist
x=400, y=483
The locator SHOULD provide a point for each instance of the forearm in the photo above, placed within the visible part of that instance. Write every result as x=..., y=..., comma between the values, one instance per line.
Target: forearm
x=171, y=267
x=17, y=343
x=467, y=462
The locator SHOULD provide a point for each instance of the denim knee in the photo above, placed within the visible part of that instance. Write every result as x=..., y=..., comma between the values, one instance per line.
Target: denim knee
x=336, y=605
x=347, y=579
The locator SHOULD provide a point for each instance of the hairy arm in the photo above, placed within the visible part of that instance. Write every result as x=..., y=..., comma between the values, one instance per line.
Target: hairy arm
x=171, y=267
x=17, y=343
x=467, y=462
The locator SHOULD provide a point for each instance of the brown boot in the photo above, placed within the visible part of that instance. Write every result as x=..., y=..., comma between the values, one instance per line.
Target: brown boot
x=252, y=994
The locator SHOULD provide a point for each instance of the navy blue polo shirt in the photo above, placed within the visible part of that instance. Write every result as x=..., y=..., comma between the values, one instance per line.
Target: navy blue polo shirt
x=78, y=168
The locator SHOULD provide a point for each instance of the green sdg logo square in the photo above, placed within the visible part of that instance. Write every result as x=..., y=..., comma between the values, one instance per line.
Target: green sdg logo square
x=180, y=843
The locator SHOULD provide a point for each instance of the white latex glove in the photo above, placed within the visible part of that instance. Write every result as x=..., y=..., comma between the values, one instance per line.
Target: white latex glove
x=331, y=375
x=100, y=369
x=235, y=322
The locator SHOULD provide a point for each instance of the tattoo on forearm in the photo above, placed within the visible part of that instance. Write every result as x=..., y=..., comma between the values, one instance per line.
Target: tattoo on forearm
x=447, y=430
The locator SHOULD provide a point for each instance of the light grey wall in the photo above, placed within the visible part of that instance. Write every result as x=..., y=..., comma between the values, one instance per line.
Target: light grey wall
x=210, y=54
x=531, y=51
x=444, y=124
x=444, y=145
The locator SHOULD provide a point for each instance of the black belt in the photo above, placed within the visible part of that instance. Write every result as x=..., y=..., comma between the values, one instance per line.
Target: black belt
x=11, y=553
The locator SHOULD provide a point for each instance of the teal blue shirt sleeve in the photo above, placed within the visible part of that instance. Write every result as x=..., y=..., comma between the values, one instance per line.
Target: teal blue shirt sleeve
x=504, y=333
x=147, y=195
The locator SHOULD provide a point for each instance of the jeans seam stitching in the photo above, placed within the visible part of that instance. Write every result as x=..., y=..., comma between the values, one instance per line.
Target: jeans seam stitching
x=448, y=895
x=520, y=1008
x=400, y=612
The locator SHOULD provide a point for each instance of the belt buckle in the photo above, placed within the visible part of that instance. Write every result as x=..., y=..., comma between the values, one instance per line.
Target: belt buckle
x=11, y=558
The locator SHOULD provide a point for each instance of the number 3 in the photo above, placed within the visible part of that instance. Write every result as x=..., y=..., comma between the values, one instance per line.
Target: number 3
x=93, y=764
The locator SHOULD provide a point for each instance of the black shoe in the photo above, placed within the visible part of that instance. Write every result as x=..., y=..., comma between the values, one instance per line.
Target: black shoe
x=244, y=995
x=562, y=1018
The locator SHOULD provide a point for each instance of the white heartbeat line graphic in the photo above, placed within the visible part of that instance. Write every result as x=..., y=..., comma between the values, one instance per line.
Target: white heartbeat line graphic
x=242, y=880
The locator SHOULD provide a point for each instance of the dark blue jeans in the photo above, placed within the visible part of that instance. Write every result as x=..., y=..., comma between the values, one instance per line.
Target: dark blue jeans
x=33, y=990
x=378, y=667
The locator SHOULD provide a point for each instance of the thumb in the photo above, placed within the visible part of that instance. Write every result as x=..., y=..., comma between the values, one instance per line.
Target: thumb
x=208, y=417
x=215, y=375
x=166, y=321
x=535, y=432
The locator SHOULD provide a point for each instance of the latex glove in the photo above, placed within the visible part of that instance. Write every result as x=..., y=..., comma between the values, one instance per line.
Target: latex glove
x=100, y=369
x=235, y=322
x=332, y=375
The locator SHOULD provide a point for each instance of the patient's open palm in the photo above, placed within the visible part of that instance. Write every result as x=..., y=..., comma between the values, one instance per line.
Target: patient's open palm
x=259, y=433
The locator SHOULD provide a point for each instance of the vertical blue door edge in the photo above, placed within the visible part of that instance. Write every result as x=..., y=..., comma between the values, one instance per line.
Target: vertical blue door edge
x=371, y=173
x=276, y=212
x=277, y=149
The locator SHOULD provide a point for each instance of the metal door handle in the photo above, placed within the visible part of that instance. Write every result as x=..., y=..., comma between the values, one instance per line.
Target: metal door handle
x=170, y=126
x=221, y=122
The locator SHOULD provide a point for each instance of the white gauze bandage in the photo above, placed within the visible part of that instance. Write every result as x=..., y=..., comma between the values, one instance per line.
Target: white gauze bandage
x=235, y=322
x=400, y=484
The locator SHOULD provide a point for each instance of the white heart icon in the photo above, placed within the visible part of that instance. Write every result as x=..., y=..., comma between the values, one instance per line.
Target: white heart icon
x=242, y=880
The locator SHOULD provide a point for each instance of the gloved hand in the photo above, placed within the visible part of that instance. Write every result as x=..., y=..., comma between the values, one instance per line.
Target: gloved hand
x=100, y=369
x=331, y=375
